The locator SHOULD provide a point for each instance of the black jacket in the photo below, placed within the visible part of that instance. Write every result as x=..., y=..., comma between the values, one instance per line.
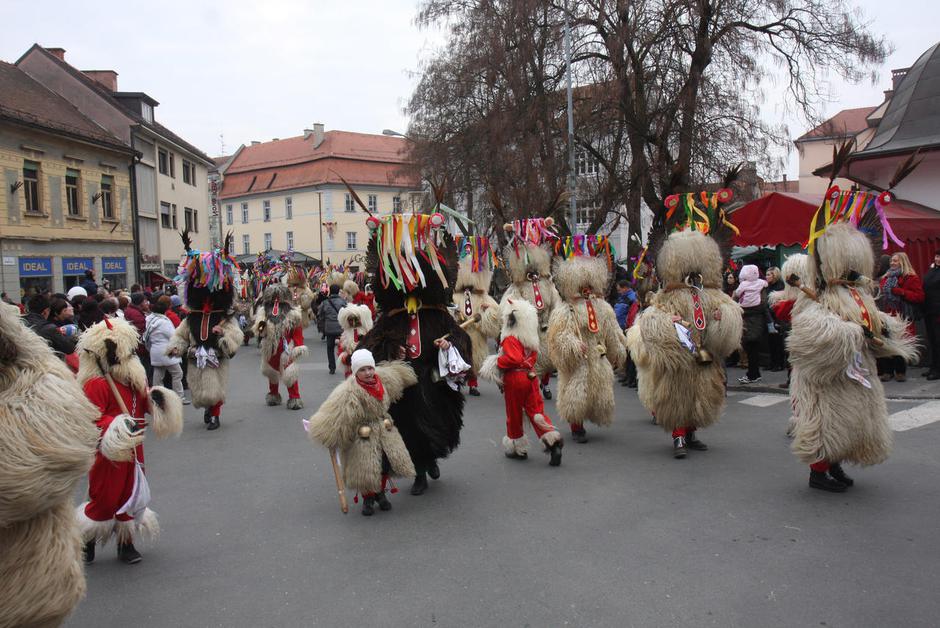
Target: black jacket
x=931, y=281
x=50, y=333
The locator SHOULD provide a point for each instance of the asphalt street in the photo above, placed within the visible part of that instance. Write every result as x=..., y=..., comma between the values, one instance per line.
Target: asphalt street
x=620, y=535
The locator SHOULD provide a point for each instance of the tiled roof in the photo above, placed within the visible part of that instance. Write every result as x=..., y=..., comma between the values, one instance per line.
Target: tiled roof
x=360, y=158
x=24, y=100
x=848, y=122
x=107, y=95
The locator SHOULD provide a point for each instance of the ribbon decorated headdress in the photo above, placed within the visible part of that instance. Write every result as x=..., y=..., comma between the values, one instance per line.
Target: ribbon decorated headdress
x=216, y=270
x=479, y=250
x=534, y=231
x=583, y=245
x=852, y=207
x=684, y=211
x=401, y=241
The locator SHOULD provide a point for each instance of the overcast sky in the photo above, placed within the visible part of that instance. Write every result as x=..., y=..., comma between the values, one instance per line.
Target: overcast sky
x=249, y=70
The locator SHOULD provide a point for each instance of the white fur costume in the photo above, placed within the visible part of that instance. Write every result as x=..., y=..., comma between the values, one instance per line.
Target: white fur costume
x=471, y=297
x=356, y=321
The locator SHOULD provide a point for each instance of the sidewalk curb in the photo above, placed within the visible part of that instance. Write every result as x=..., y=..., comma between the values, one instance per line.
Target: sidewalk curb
x=783, y=391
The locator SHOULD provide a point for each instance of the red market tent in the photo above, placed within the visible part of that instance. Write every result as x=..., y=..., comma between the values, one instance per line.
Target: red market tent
x=783, y=219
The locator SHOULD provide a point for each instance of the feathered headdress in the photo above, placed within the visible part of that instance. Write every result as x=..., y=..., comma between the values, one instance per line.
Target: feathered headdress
x=216, y=270
x=582, y=245
x=530, y=231
x=478, y=249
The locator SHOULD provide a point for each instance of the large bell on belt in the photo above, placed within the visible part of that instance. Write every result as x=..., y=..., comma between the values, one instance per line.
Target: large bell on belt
x=703, y=357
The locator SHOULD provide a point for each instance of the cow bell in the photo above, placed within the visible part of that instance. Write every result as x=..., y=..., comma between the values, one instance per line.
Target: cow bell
x=365, y=431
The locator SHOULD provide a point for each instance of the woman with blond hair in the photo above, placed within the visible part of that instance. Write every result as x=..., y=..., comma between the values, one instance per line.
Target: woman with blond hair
x=901, y=294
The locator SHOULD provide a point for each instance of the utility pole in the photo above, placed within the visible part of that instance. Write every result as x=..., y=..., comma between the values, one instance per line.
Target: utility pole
x=572, y=183
x=320, y=216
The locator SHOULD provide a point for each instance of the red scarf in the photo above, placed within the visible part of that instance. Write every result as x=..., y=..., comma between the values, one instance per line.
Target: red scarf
x=375, y=389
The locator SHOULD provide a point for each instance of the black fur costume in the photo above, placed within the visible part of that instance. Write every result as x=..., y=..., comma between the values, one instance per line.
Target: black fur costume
x=430, y=414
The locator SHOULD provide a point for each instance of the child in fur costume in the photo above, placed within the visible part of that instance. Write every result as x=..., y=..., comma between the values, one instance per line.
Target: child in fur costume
x=585, y=342
x=680, y=342
x=117, y=487
x=528, y=257
x=514, y=370
x=473, y=301
x=210, y=335
x=354, y=419
x=47, y=444
x=282, y=344
x=359, y=297
x=356, y=321
x=836, y=395
x=412, y=292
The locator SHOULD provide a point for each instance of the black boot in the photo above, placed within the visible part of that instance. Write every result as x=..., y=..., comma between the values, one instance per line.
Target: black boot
x=546, y=392
x=579, y=435
x=368, y=506
x=420, y=484
x=474, y=391
x=214, y=423
x=434, y=471
x=88, y=552
x=555, y=454
x=678, y=447
x=823, y=480
x=835, y=470
x=207, y=416
x=128, y=553
x=692, y=442
x=382, y=500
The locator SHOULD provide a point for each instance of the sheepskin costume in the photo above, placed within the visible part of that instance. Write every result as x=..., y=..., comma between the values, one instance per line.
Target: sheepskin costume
x=210, y=298
x=282, y=344
x=528, y=258
x=513, y=368
x=356, y=422
x=473, y=301
x=47, y=444
x=301, y=294
x=683, y=386
x=585, y=342
x=117, y=488
x=835, y=392
x=356, y=321
x=414, y=278
x=793, y=267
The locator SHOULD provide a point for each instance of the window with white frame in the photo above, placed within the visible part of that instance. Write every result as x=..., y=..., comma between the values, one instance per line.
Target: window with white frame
x=396, y=204
x=73, y=194
x=163, y=161
x=107, y=205
x=196, y=220
x=244, y=213
x=373, y=203
x=166, y=218
x=584, y=216
x=289, y=208
x=174, y=216
x=290, y=240
x=267, y=241
x=187, y=173
x=266, y=206
x=350, y=240
x=31, y=186
x=229, y=218
x=585, y=163
x=350, y=203
x=187, y=218
x=246, y=244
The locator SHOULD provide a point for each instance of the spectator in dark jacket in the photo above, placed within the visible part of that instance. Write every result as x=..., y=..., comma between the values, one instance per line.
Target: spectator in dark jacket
x=88, y=283
x=931, y=283
x=37, y=319
x=329, y=314
x=778, y=361
x=136, y=312
x=625, y=305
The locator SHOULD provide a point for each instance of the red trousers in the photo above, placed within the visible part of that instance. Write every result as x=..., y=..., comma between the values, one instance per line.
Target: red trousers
x=682, y=431
x=522, y=394
x=293, y=391
x=216, y=409
x=821, y=466
x=472, y=382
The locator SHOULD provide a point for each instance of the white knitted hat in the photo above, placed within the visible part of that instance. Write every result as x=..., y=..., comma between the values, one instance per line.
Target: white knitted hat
x=360, y=358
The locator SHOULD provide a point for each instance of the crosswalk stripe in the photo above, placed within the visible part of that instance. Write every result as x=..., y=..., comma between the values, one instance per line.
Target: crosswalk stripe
x=917, y=416
x=764, y=401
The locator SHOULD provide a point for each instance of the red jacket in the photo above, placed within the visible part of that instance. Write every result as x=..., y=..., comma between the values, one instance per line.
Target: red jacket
x=910, y=289
x=170, y=314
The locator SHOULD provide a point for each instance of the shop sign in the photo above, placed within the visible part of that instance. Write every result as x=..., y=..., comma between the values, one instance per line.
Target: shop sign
x=77, y=265
x=113, y=265
x=35, y=266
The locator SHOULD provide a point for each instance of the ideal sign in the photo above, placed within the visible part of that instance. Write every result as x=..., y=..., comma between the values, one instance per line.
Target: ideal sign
x=35, y=266
x=77, y=265
x=113, y=265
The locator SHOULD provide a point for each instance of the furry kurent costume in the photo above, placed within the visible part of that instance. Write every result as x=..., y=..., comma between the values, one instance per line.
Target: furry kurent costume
x=414, y=262
x=301, y=294
x=585, y=343
x=209, y=336
x=282, y=343
x=837, y=333
x=680, y=342
x=47, y=444
x=117, y=487
x=513, y=368
x=528, y=257
x=477, y=311
x=781, y=302
x=355, y=421
x=356, y=321
x=358, y=297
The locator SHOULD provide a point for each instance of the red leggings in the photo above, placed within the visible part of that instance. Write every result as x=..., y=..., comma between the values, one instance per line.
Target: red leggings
x=215, y=409
x=384, y=484
x=682, y=431
x=293, y=391
x=821, y=467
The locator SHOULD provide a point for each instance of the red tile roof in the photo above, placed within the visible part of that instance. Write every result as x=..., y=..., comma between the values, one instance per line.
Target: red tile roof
x=360, y=158
x=26, y=101
x=848, y=122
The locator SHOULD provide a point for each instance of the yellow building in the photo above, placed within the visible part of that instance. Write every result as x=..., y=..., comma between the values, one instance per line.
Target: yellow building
x=287, y=194
x=66, y=205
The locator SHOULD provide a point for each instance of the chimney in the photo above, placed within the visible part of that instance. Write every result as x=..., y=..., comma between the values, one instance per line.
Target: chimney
x=58, y=53
x=897, y=76
x=308, y=133
x=105, y=78
x=317, y=134
x=255, y=142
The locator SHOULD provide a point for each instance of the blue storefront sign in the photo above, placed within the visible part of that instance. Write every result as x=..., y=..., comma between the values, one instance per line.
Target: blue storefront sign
x=77, y=265
x=35, y=267
x=113, y=265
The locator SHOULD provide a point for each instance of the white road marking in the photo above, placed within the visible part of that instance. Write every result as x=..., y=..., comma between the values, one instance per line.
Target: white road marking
x=918, y=416
x=764, y=401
